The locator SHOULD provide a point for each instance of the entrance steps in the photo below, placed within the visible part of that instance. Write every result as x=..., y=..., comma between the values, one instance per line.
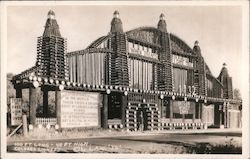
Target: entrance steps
x=151, y=117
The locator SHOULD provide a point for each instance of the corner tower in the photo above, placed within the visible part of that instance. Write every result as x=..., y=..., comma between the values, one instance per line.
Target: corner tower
x=165, y=78
x=51, y=49
x=199, y=71
x=118, y=64
x=226, y=81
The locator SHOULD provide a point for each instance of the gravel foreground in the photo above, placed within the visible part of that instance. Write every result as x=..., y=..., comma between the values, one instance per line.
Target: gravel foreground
x=105, y=141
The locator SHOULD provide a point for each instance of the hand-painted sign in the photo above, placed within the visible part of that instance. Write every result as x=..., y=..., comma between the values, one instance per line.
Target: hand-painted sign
x=180, y=60
x=80, y=109
x=16, y=111
x=183, y=107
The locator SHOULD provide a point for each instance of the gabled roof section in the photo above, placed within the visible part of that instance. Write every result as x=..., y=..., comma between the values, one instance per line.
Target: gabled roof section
x=179, y=46
x=209, y=73
x=25, y=74
x=215, y=79
x=207, y=69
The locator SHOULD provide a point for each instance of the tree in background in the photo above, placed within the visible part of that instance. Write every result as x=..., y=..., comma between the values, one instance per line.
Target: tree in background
x=236, y=94
x=11, y=93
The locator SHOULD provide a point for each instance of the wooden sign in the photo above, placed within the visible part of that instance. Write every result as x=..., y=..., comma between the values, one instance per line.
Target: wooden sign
x=208, y=114
x=180, y=60
x=80, y=109
x=16, y=111
x=183, y=107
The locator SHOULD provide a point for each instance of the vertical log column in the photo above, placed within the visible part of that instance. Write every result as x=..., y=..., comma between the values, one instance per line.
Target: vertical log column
x=105, y=112
x=123, y=108
x=194, y=112
x=183, y=118
x=33, y=104
x=45, y=102
x=159, y=105
x=19, y=93
x=221, y=116
x=225, y=114
x=199, y=111
x=58, y=107
x=228, y=116
x=171, y=110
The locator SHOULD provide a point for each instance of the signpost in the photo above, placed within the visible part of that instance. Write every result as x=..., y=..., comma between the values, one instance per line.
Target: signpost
x=16, y=111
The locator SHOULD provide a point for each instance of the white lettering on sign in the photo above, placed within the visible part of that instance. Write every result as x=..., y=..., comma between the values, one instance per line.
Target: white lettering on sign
x=143, y=52
x=208, y=114
x=16, y=111
x=180, y=60
x=183, y=107
x=80, y=109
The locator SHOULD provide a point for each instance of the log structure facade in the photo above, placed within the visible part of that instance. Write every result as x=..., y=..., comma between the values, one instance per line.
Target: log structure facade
x=149, y=78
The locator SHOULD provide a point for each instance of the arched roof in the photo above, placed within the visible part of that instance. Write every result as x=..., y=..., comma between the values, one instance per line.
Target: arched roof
x=151, y=35
x=178, y=45
x=98, y=41
x=143, y=28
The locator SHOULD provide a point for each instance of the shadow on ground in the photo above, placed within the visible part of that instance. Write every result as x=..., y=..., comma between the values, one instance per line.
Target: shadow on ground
x=198, y=148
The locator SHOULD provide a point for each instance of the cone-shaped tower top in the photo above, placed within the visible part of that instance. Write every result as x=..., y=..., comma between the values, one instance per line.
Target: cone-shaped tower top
x=116, y=14
x=224, y=71
x=51, y=26
x=116, y=23
x=51, y=14
x=197, y=48
x=162, y=26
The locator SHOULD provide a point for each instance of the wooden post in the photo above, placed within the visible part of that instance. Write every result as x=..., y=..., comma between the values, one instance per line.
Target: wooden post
x=58, y=107
x=160, y=106
x=220, y=111
x=225, y=115
x=45, y=102
x=123, y=108
x=33, y=104
x=100, y=105
x=105, y=111
x=25, y=127
x=19, y=93
x=183, y=118
x=228, y=117
x=194, y=111
x=171, y=110
x=199, y=111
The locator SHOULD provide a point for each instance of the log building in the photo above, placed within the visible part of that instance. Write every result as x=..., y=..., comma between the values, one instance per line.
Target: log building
x=147, y=78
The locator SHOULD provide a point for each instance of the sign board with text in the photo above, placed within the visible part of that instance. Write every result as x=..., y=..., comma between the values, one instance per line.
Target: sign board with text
x=183, y=107
x=16, y=111
x=80, y=109
x=208, y=114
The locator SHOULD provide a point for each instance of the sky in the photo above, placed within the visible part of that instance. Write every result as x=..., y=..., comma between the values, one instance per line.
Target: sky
x=217, y=28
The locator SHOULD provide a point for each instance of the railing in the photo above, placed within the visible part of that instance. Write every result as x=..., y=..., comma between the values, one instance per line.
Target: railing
x=179, y=124
x=115, y=124
x=46, y=121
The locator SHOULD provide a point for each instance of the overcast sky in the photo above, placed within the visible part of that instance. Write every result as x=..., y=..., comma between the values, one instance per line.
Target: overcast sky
x=217, y=28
